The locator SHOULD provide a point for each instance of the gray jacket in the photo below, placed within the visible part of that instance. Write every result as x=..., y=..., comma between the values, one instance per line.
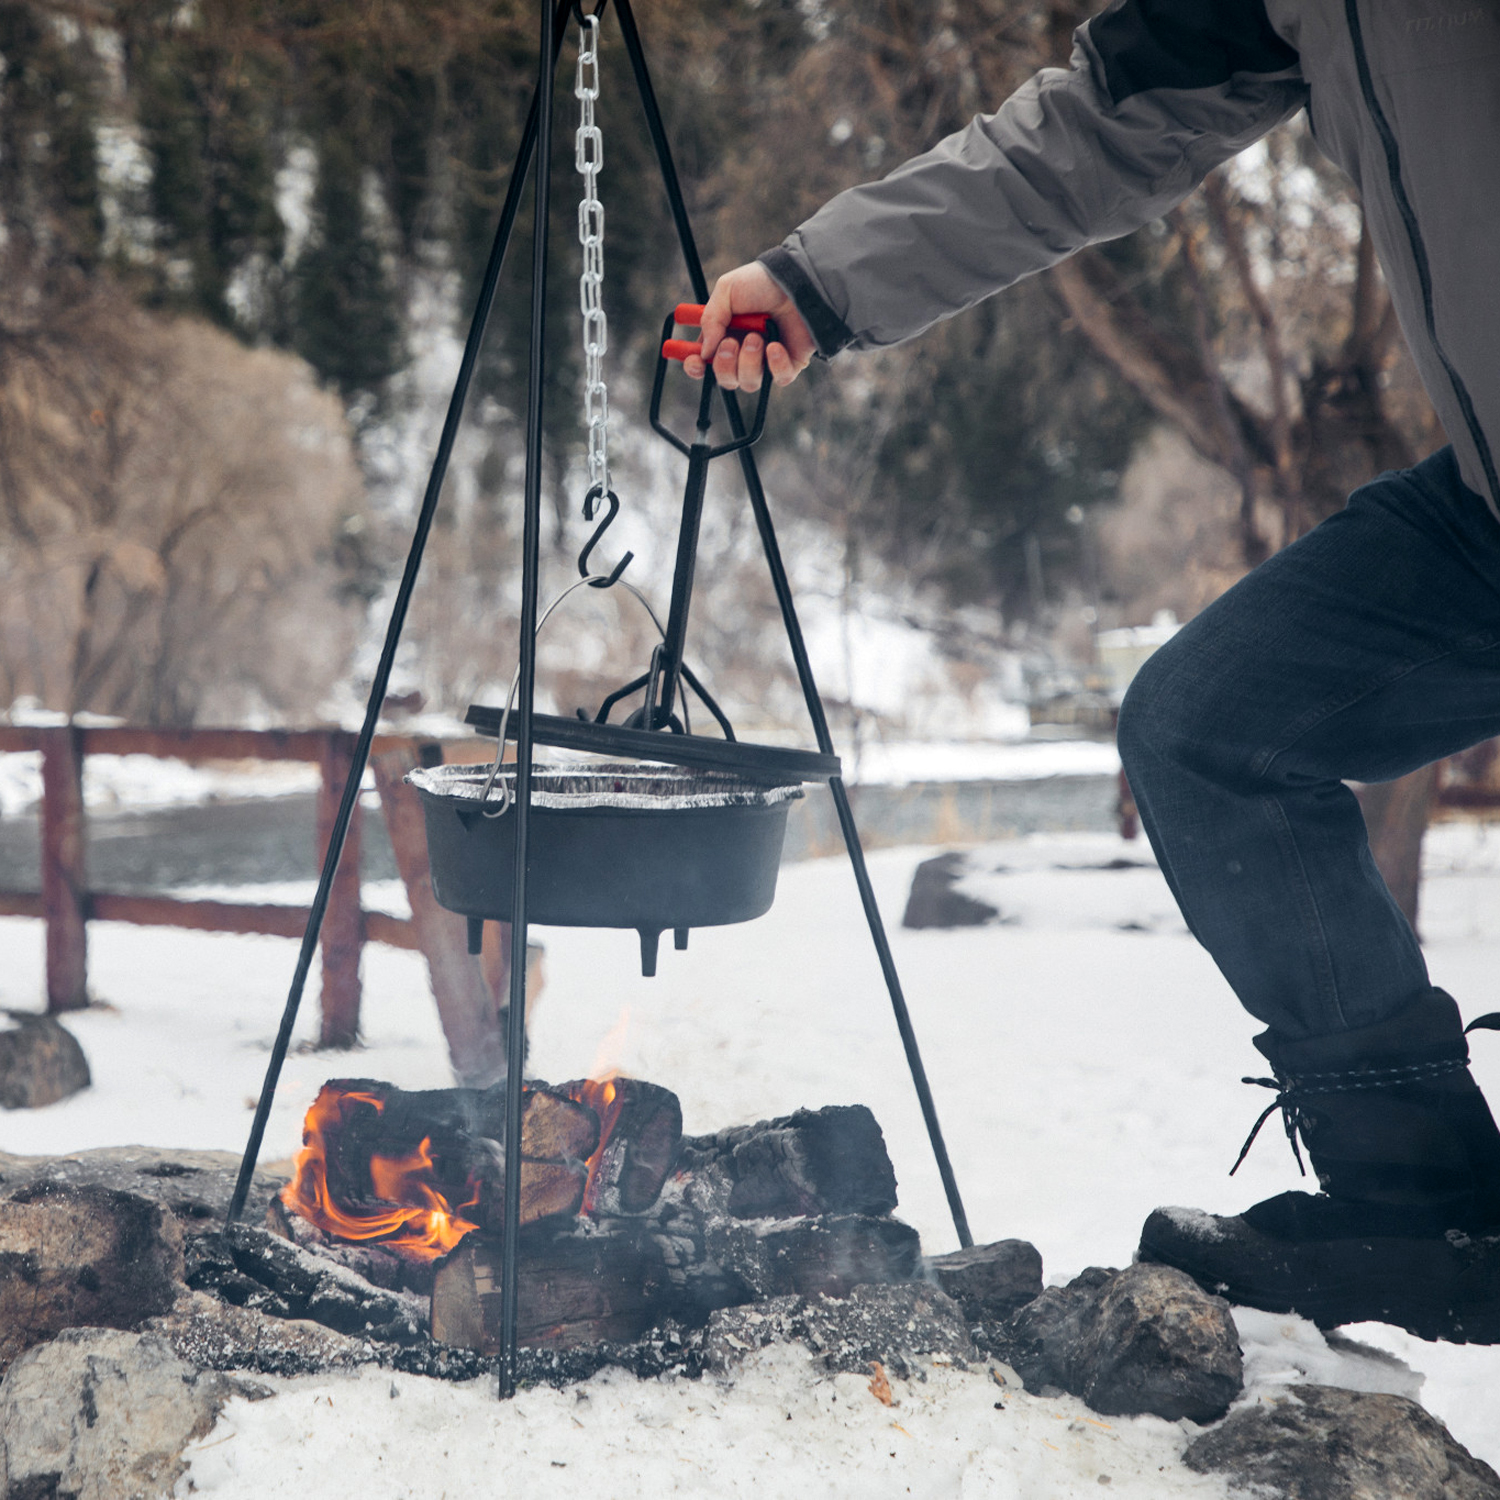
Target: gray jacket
x=1403, y=94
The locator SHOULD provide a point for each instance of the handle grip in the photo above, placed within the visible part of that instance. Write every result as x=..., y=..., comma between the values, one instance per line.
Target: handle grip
x=690, y=315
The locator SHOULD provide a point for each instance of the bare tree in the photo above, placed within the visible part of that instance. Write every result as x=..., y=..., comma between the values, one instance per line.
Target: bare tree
x=171, y=507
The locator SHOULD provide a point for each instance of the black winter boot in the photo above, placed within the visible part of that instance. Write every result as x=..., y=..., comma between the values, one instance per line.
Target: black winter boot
x=1407, y=1227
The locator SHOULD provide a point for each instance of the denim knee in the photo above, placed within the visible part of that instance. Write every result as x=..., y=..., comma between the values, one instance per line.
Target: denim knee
x=1156, y=717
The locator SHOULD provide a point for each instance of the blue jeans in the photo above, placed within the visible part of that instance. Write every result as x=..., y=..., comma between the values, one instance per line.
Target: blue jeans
x=1365, y=650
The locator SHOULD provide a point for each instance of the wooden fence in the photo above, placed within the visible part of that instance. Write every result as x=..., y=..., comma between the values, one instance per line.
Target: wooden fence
x=66, y=903
x=467, y=994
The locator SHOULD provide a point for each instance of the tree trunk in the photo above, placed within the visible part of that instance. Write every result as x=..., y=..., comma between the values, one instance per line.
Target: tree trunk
x=466, y=1004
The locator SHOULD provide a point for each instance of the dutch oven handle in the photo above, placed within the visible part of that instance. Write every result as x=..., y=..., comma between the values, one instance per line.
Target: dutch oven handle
x=689, y=315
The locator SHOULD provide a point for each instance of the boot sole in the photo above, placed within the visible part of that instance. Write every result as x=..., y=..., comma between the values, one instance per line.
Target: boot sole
x=1441, y=1288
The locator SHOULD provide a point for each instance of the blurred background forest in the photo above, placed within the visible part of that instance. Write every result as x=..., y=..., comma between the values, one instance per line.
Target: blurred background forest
x=240, y=241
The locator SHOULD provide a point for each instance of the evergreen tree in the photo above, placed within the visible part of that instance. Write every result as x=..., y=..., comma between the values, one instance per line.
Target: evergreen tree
x=345, y=307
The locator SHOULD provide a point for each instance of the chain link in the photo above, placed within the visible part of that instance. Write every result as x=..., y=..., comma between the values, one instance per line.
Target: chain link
x=588, y=157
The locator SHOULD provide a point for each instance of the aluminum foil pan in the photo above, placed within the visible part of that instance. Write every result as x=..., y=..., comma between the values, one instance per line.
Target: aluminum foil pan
x=641, y=788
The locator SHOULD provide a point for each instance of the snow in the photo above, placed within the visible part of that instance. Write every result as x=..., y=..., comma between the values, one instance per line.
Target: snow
x=139, y=782
x=780, y=1428
x=1084, y=1055
x=903, y=762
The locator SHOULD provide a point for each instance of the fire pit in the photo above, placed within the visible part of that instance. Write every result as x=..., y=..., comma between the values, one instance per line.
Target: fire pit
x=627, y=1223
x=611, y=845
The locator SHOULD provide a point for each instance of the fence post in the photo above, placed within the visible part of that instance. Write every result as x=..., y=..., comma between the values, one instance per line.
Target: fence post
x=344, y=923
x=65, y=887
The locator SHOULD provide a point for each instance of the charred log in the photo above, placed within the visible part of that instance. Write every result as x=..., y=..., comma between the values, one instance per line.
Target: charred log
x=249, y=1268
x=574, y=1287
x=373, y=1262
x=816, y=1161
x=828, y=1256
x=613, y=1278
x=643, y=1133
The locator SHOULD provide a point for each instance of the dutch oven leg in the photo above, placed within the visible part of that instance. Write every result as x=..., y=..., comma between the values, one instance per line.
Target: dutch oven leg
x=650, y=938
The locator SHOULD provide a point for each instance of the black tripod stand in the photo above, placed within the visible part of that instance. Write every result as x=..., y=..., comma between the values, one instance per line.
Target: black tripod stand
x=530, y=728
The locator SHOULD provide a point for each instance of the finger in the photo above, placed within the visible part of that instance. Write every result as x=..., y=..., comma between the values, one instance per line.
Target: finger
x=784, y=369
x=717, y=312
x=726, y=364
x=750, y=363
x=694, y=367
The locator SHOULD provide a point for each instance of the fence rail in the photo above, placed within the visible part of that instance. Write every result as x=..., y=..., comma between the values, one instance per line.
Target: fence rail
x=67, y=903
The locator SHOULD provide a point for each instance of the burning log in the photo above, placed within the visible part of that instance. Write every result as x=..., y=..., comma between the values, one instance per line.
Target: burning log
x=641, y=1124
x=418, y=1171
x=573, y=1287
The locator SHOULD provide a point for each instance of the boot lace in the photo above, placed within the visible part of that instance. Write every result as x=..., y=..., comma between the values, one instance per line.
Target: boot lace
x=1292, y=1091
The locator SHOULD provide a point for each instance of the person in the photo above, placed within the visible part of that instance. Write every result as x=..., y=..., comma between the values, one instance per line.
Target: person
x=1368, y=648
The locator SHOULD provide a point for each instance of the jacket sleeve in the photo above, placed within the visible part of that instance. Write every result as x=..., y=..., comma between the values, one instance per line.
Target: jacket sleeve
x=1158, y=93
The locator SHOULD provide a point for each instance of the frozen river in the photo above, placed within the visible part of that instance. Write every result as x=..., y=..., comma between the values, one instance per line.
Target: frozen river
x=266, y=840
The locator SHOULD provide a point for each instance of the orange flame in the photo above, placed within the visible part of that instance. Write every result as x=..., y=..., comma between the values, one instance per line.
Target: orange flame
x=419, y=1223
x=606, y=1101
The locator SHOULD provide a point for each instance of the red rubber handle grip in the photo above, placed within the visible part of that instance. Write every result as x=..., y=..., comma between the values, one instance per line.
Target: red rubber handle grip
x=690, y=314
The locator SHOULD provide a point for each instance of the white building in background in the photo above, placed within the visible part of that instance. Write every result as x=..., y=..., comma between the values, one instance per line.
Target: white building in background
x=1123, y=652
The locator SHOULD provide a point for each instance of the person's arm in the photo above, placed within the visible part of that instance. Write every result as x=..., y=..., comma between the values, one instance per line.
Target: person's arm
x=1158, y=94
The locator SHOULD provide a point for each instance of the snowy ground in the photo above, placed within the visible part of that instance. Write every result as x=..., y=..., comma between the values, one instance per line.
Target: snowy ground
x=1085, y=1058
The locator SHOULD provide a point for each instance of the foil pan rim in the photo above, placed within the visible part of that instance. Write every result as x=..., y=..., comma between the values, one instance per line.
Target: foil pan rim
x=628, y=786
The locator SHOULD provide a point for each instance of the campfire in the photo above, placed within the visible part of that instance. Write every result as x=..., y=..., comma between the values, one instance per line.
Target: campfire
x=418, y=1221
x=626, y=1221
x=413, y=1173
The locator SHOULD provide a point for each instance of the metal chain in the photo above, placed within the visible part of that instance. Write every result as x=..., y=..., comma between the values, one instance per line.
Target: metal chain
x=589, y=159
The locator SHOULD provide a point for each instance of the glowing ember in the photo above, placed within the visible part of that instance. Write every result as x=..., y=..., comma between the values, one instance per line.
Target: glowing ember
x=418, y=1221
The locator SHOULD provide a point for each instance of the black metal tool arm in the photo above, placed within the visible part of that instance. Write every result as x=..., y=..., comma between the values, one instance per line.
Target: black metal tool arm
x=777, y=762
x=675, y=349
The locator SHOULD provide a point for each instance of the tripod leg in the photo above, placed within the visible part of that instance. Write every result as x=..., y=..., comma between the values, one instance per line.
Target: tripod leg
x=898, y=1005
x=525, y=708
x=782, y=587
x=397, y=623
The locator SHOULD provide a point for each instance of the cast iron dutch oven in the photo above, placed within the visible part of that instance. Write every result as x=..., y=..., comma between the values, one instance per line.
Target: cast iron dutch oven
x=610, y=845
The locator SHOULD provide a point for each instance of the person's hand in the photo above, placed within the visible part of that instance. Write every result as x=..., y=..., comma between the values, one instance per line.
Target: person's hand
x=738, y=363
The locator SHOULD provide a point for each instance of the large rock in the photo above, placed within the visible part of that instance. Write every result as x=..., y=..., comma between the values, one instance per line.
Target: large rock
x=101, y=1415
x=75, y=1256
x=195, y=1185
x=990, y=1282
x=1321, y=1443
x=1142, y=1340
x=936, y=902
x=40, y=1063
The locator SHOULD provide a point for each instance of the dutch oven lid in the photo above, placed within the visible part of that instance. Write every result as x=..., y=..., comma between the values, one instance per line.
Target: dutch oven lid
x=607, y=784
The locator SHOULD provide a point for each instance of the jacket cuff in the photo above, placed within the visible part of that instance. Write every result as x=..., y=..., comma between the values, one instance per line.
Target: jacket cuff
x=827, y=328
